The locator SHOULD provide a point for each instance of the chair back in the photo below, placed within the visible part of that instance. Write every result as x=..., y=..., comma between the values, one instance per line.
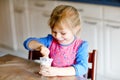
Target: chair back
x=34, y=55
x=92, y=65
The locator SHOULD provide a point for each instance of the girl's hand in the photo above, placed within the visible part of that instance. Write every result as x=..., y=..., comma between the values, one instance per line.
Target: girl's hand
x=39, y=47
x=48, y=71
x=44, y=51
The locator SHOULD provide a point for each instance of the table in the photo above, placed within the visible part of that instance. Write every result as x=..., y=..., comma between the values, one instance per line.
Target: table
x=16, y=68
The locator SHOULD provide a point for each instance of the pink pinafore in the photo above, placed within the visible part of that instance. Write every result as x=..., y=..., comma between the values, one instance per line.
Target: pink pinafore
x=64, y=55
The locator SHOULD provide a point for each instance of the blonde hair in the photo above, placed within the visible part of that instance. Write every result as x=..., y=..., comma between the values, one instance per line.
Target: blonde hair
x=65, y=13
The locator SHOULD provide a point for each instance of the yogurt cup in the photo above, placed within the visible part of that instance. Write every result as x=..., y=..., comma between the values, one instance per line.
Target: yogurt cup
x=45, y=61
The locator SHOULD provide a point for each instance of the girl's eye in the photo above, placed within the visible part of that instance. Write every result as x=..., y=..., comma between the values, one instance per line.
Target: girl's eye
x=63, y=33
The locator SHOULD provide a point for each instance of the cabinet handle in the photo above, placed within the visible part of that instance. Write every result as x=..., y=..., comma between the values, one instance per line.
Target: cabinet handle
x=19, y=10
x=39, y=5
x=80, y=10
x=92, y=23
x=113, y=26
x=46, y=14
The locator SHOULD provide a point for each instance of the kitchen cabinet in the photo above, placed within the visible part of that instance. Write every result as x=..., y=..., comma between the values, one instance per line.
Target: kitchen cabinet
x=14, y=25
x=31, y=19
x=39, y=12
x=7, y=30
x=111, y=40
x=21, y=22
x=20, y=19
x=111, y=48
x=38, y=23
x=86, y=10
x=91, y=32
x=100, y=28
x=111, y=13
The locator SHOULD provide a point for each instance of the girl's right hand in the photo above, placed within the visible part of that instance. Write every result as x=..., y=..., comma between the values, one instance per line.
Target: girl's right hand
x=44, y=51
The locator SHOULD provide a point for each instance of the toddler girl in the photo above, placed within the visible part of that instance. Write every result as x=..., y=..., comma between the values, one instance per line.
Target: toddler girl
x=69, y=53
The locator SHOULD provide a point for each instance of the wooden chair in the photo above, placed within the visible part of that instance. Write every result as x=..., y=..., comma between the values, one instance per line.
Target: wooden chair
x=33, y=55
x=92, y=67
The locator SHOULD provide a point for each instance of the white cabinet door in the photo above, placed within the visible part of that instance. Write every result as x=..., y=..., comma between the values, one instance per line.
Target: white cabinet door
x=7, y=32
x=86, y=10
x=39, y=13
x=91, y=31
x=21, y=22
x=112, y=49
x=21, y=28
x=39, y=23
x=111, y=13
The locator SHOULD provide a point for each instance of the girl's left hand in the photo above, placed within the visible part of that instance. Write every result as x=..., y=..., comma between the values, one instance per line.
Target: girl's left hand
x=48, y=71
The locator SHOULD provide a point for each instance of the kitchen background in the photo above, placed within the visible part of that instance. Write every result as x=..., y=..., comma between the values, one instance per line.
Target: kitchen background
x=20, y=19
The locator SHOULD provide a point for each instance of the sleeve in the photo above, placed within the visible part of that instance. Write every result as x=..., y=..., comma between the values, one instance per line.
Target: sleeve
x=46, y=41
x=81, y=66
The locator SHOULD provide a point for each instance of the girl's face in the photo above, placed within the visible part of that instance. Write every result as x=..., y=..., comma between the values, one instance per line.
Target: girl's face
x=62, y=34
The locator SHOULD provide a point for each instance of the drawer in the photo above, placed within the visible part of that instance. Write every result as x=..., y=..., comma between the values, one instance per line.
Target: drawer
x=112, y=25
x=111, y=13
x=41, y=4
x=19, y=5
x=86, y=10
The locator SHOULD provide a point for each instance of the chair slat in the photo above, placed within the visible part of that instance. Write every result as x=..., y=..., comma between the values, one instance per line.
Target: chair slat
x=92, y=60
